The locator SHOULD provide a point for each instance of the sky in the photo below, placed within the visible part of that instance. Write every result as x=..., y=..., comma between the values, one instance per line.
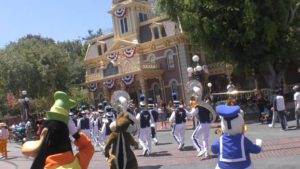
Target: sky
x=60, y=20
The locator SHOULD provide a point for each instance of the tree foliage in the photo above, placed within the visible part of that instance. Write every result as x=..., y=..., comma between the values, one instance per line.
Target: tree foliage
x=40, y=66
x=255, y=34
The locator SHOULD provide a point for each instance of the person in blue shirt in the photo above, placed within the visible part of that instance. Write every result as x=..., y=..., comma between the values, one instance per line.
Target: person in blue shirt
x=233, y=148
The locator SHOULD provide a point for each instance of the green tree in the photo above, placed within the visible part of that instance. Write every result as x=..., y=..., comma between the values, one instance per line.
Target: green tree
x=258, y=35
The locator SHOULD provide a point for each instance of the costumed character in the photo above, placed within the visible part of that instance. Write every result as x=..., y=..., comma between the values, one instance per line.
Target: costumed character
x=120, y=140
x=145, y=119
x=203, y=112
x=154, y=114
x=178, y=119
x=84, y=123
x=53, y=149
x=108, y=119
x=233, y=148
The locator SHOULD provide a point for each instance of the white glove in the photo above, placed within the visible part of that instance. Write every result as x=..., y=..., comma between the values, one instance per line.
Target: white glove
x=72, y=128
x=258, y=142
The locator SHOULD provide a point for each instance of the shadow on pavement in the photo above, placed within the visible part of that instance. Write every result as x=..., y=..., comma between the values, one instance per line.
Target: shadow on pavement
x=161, y=153
x=161, y=144
x=189, y=148
x=151, y=167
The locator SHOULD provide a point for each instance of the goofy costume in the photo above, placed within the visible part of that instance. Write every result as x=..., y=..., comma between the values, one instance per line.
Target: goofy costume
x=53, y=150
x=233, y=148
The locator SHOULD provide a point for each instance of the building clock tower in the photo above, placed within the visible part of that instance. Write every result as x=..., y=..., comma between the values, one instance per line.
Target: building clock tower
x=127, y=16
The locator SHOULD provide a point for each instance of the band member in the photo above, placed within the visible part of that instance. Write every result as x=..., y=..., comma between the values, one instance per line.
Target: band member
x=84, y=123
x=154, y=114
x=202, y=112
x=178, y=118
x=145, y=119
x=96, y=126
x=109, y=117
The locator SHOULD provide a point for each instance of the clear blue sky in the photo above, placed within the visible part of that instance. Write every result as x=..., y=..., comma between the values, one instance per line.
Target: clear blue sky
x=57, y=19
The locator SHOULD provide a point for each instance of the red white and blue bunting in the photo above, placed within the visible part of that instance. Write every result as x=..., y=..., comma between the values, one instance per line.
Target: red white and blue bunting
x=109, y=83
x=129, y=53
x=92, y=87
x=113, y=57
x=120, y=13
x=128, y=80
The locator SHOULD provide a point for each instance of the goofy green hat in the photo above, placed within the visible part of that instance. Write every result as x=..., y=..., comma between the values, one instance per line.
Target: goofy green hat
x=60, y=109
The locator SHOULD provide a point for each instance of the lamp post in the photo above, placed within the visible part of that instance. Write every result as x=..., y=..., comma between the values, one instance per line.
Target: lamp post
x=197, y=69
x=24, y=100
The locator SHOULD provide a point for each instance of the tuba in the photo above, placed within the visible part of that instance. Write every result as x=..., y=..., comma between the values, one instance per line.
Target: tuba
x=120, y=101
x=194, y=92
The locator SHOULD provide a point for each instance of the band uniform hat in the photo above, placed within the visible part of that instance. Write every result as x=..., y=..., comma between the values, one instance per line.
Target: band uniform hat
x=228, y=113
x=296, y=88
x=60, y=109
x=150, y=103
x=175, y=101
x=142, y=100
x=108, y=108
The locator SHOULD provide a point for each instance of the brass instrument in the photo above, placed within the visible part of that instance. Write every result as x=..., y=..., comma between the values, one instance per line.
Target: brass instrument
x=120, y=101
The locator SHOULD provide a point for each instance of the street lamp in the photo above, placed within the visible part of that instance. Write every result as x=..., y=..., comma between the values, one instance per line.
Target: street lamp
x=196, y=70
x=24, y=100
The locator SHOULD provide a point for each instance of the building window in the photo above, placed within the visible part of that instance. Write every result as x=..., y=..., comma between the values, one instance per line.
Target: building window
x=163, y=31
x=99, y=50
x=152, y=58
x=124, y=26
x=156, y=33
x=143, y=17
x=170, y=61
x=110, y=70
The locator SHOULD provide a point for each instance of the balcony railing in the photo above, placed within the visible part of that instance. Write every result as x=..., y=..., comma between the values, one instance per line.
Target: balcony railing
x=132, y=68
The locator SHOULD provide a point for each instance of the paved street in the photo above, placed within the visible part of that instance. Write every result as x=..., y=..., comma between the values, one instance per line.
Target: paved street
x=281, y=150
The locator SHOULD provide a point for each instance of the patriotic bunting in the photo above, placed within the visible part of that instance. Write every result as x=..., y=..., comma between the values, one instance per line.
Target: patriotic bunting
x=113, y=57
x=92, y=87
x=120, y=13
x=129, y=53
x=128, y=80
x=109, y=83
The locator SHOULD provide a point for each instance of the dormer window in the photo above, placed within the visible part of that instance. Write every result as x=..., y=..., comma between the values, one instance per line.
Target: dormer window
x=101, y=47
x=143, y=17
x=124, y=26
x=158, y=31
x=99, y=50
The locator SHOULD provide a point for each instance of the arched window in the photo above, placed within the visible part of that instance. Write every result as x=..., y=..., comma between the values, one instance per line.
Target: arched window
x=151, y=58
x=124, y=27
x=170, y=61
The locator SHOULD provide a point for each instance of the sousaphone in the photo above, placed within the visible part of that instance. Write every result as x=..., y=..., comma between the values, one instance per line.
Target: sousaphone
x=194, y=92
x=120, y=101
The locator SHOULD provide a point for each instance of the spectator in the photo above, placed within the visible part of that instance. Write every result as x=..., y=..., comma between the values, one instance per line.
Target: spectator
x=279, y=109
x=4, y=135
x=261, y=104
x=162, y=111
x=297, y=104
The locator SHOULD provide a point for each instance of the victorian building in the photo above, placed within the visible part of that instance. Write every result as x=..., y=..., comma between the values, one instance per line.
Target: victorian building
x=145, y=53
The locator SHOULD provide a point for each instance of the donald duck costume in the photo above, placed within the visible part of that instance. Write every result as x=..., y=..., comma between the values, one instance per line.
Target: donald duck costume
x=233, y=148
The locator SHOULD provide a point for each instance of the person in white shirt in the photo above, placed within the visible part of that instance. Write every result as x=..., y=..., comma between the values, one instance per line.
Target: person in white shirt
x=279, y=108
x=297, y=104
